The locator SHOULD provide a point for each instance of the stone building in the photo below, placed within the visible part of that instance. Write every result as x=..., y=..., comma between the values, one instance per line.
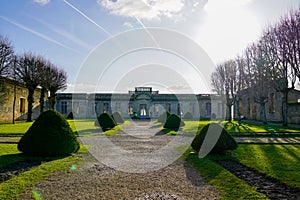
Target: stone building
x=251, y=110
x=21, y=104
x=143, y=102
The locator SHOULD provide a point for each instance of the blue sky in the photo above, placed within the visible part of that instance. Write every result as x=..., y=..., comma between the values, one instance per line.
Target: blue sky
x=66, y=32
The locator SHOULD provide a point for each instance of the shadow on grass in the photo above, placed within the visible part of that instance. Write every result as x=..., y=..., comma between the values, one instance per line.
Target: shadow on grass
x=14, y=164
x=237, y=127
x=88, y=131
x=166, y=131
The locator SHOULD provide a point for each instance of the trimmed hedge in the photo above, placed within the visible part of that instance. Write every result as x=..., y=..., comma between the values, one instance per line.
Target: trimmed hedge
x=106, y=122
x=117, y=117
x=163, y=117
x=188, y=115
x=49, y=135
x=225, y=141
x=173, y=122
x=70, y=115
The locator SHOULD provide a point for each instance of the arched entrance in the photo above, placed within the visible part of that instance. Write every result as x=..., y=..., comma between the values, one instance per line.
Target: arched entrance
x=142, y=105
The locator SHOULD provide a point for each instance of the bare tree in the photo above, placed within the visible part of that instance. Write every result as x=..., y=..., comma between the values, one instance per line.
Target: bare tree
x=58, y=82
x=29, y=71
x=225, y=82
x=45, y=81
x=258, y=77
x=218, y=87
x=6, y=56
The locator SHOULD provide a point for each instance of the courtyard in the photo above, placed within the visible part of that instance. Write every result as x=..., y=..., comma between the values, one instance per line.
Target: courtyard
x=266, y=153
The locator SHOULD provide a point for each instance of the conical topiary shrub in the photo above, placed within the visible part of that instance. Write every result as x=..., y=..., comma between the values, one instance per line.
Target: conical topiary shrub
x=225, y=141
x=70, y=115
x=106, y=122
x=117, y=117
x=163, y=117
x=188, y=115
x=173, y=122
x=49, y=135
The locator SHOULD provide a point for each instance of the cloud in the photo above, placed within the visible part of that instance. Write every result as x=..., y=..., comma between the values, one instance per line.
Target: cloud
x=128, y=25
x=42, y=2
x=147, y=9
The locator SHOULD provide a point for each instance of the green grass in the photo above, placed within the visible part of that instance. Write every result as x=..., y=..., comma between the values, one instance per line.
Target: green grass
x=9, y=154
x=14, y=130
x=82, y=126
x=13, y=187
x=246, y=127
x=278, y=161
x=229, y=186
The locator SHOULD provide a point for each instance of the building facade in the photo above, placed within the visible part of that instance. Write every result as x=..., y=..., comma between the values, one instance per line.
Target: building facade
x=251, y=110
x=143, y=102
x=10, y=90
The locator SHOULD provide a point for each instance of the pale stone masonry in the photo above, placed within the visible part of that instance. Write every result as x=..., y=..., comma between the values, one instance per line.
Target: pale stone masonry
x=142, y=102
x=251, y=110
x=21, y=103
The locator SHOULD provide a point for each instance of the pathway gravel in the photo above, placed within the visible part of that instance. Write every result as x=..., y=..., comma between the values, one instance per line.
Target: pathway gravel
x=95, y=180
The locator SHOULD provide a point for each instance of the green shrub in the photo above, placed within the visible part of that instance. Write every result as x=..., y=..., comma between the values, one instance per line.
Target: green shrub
x=173, y=122
x=163, y=117
x=70, y=115
x=117, y=117
x=49, y=135
x=225, y=141
x=106, y=122
x=188, y=115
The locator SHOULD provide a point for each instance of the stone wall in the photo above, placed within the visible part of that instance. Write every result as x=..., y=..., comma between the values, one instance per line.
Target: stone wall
x=21, y=103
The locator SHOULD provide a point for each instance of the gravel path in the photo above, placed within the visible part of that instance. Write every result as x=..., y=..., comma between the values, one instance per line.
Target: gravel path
x=98, y=181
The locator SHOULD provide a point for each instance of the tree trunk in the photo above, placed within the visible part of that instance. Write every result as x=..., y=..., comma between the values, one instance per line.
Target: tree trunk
x=30, y=104
x=14, y=103
x=284, y=108
x=228, y=112
x=42, y=100
x=52, y=100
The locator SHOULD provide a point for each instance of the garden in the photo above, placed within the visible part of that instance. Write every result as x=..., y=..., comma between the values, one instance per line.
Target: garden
x=247, y=171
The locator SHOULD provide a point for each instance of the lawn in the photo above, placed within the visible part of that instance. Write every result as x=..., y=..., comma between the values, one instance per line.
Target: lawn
x=278, y=161
x=229, y=186
x=81, y=126
x=14, y=130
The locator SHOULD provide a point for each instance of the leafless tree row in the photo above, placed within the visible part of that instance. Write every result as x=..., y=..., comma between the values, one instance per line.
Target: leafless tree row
x=273, y=61
x=33, y=71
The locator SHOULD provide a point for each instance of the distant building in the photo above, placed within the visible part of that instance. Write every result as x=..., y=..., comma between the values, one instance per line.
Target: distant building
x=251, y=110
x=21, y=103
x=142, y=102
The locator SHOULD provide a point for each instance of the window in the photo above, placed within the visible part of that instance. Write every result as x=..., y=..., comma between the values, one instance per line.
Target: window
x=220, y=109
x=105, y=107
x=156, y=108
x=118, y=107
x=208, y=108
x=76, y=107
x=248, y=106
x=271, y=105
x=22, y=105
x=241, y=107
x=192, y=108
x=64, y=107
x=168, y=107
x=179, y=111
